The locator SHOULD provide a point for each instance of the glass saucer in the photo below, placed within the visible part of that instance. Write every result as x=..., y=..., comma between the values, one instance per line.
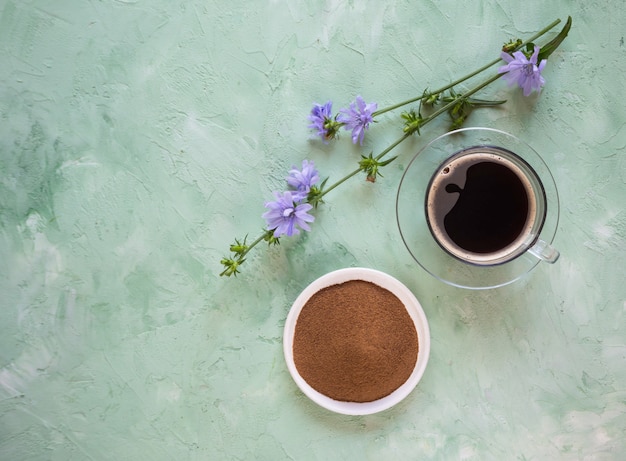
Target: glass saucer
x=411, y=216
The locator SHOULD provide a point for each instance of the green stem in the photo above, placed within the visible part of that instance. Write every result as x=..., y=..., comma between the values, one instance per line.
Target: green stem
x=403, y=103
x=468, y=76
x=253, y=244
x=355, y=172
x=424, y=122
x=389, y=149
x=341, y=181
x=465, y=95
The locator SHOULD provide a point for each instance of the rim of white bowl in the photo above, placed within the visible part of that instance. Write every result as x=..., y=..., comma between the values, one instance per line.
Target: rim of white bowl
x=415, y=311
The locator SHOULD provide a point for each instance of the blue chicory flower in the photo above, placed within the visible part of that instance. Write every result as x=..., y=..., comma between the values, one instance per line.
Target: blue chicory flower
x=285, y=215
x=321, y=120
x=357, y=118
x=302, y=180
x=523, y=71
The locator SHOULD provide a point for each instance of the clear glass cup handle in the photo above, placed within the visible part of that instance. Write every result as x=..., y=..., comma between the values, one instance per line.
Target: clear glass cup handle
x=544, y=251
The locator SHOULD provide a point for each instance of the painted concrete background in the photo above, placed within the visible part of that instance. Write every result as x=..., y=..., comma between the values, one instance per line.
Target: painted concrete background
x=139, y=138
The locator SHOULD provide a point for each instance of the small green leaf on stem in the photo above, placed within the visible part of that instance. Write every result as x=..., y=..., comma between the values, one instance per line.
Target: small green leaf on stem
x=239, y=248
x=316, y=194
x=462, y=106
x=412, y=122
x=547, y=49
x=371, y=166
x=270, y=239
x=512, y=45
x=231, y=266
x=430, y=99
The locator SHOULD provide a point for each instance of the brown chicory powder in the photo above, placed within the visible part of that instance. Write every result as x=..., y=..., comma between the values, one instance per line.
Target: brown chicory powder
x=355, y=342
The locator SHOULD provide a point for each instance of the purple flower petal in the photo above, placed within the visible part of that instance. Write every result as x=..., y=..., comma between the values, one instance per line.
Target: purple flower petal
x=302, y=180
x=357, y=118
x=285, y=215
x=322, y=121
x=522, y=71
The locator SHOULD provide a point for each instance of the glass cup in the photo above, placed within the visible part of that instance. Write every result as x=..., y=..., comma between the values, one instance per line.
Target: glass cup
x=485, y=205
x=478, y=208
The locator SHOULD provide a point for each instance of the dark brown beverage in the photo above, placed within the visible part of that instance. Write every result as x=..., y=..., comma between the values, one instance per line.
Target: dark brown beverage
x=482, y=205
x=491, y=210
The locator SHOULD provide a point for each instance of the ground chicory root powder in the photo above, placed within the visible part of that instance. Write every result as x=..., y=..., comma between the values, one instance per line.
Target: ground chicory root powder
x=355, y=342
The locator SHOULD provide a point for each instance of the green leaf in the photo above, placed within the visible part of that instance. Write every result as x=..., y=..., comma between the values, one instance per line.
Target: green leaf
x=239, y=248
x=371, y=166
x=270, y=239
x=485, y=102
x=512, y=45
x=231, y=266
x=551, y=46
x=387, y=162
x=412, y=122
x=316, y=193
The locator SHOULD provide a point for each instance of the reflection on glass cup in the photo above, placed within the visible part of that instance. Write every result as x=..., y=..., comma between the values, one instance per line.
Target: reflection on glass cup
x=486, y=206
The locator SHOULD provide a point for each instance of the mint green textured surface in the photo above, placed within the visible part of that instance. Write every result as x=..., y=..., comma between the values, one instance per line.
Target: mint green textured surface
x=139, y=138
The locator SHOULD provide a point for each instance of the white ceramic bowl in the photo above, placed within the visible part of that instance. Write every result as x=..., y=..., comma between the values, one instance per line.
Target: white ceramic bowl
x=413, y=308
